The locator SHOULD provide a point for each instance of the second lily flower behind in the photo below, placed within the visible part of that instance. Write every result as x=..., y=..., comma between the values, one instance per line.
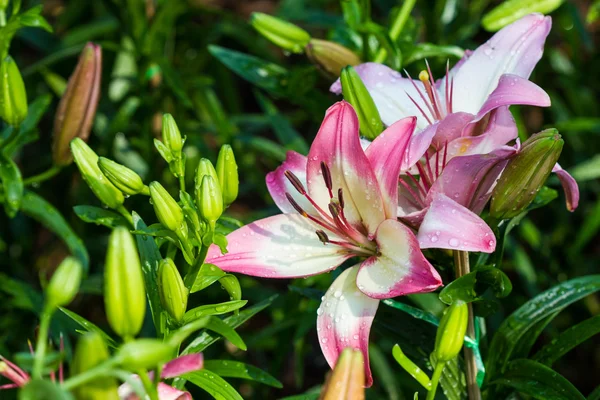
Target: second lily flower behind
x=341, y=202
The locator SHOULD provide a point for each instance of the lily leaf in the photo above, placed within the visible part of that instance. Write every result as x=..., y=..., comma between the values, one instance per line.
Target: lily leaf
x=208, y=274
x=511, y=10
x=236, y=369
x=213, y=309
x=10, y=175
x=89, y=326
x=472, y=286
x=100, y=216
x=213, y=384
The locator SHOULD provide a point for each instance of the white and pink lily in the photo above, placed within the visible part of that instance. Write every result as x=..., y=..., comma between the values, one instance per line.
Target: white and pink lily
x=338, y=203
x=466, y=112
x=172, y=369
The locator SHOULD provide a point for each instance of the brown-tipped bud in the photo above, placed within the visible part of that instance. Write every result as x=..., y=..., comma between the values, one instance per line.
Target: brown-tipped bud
x=77, y=107
x=347, y=381
x=295, y=204
x=322, y=236
x=326, y=175
x=331, y=56
x=295, y=182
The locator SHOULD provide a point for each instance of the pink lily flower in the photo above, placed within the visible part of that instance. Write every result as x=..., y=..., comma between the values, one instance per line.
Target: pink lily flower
x=466, y=112
x=338, y=203
x=173, y=369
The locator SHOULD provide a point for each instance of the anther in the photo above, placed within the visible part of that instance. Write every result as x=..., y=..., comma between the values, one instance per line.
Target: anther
x=295, y=205
x=334, y=210
x=327, y=177
x=322, y=236
x=295, y=182
x=341, y=198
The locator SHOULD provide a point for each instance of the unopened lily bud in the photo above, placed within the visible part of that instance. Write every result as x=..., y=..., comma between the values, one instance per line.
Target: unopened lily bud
x=3, y=4
x=347, y=380
x=173, y=293
x=227, y=171
x=87, y=162
x=124, y=290
x=91, y=350
x=77, y=107
x=13, y=98
x=167, y=210
x=284, y=34
x=331, y=56
x=64, y=284
x=205, y=167
x=451, y=332
x=125, y=179
x=358, y=96
x=144, y=354
x=525, y=174
x=209, y=200
x=171, y=135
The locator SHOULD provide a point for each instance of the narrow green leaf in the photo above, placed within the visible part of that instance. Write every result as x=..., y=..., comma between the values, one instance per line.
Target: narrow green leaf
x=89, y=326
x=100, y=216
x=568, y=340
x=221, y=327
x=28, y=129
x=45, y=213
x=537, y=380
x=10, y=175
x=472, y=286
x=212, y=383
x=213, y=309
x=208, y=274
x=511, y=10
x=231, y=284
x=37, y=389
x=236, y=369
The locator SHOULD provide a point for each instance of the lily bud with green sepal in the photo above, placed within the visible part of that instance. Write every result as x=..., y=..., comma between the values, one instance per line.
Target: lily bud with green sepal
x=331, y=56
x=13, y=97
x=77, y=107
x=284, y=34
x=87, y=162
x=173, y=293
x=125, y=179
x=167, y=210
x=227, y=171
x=91, y=350
x=205, y=167
x=124, y=290
x=451, y=332
x=347, y=381
x=356, y=93
x=171, y=135
x=209, y=200
x=525, y=174
x=144, y=354
x=64, y=284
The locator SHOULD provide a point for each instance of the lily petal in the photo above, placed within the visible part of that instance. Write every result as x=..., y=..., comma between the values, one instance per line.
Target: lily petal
x=418, y=145
x=448, y=225
x=390, y=92
x=570, y=187
x=450, y=128
x=337, y=144
x=385, y=155
x=279, y=185
x=281, y=246
x=400, y=269
x=166, y=392
x=515, y=49
x=182, y=365
x=468, y=180
x=344, y=319
x=513, y=89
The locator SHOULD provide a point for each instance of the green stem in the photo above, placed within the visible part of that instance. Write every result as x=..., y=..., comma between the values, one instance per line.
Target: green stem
x=462, y=267
x=42, y=341
x=182, y=183
x=44, y=176
x=435, y=379
x=123, y=211
x=13, y=135
x=148, y=385
x=397, y=26
x=2, y=18
x=190, y=277
x=100, y=370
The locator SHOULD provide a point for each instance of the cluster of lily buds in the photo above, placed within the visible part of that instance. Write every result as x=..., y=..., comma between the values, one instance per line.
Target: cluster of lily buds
x=329, y=56
x=77, y=107
x=13, y=98
x=171, y=146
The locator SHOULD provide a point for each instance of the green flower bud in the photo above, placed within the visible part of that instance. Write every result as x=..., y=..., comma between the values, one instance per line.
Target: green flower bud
x=451, y=332
x=77, y=107
x=209, y=200
x=358, y=96
x=13, y=98
x=331, y=56
x=166, y=208
x=3, y=4
x=227, y=171
x=87, y=162
x=91, y=351
x=284, y=34
x=525, y=174
x=124, y=291
x=173, y=293
x=126, y=180
x=347, y=380
x=144, y=354
x=171, y=135
x=205, y=167
x=64, y=283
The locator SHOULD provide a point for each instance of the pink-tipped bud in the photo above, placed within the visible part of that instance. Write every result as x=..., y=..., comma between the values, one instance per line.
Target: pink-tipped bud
x=77, y=107
x=347, y=380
